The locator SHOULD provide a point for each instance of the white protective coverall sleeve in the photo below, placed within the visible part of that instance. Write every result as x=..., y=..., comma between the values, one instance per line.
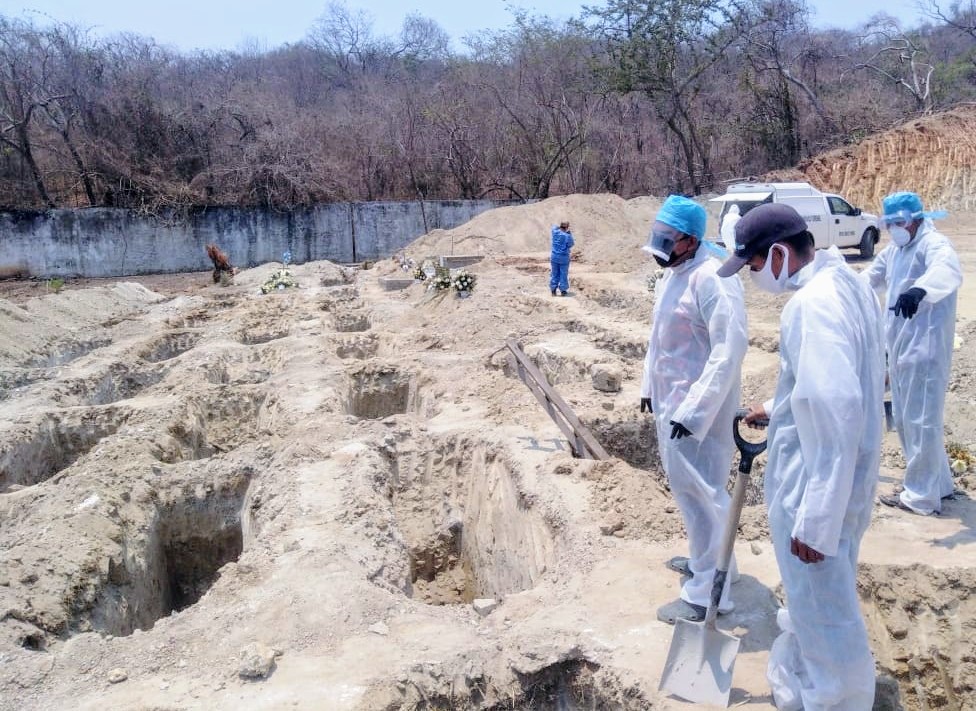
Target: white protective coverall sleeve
x=647, y=378
x=943, y=274
x=722, y=306
x=877, y=273
x=828, y=410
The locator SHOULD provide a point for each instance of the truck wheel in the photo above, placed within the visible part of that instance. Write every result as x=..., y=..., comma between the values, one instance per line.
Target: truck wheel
x=868, y=241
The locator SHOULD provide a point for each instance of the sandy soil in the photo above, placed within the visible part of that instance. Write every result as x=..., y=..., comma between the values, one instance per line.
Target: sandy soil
x=214, y=499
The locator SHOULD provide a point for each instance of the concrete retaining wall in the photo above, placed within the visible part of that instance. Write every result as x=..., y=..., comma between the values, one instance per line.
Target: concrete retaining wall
x=100, y=242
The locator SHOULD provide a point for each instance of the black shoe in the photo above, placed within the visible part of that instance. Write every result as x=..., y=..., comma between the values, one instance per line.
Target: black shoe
x=553, y=292
x=564, y=293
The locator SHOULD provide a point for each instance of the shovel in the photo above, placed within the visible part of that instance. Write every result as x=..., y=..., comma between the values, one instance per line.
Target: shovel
x=701, y=658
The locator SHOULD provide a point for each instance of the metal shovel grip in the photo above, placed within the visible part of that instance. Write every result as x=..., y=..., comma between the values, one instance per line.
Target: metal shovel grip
x=748, y=451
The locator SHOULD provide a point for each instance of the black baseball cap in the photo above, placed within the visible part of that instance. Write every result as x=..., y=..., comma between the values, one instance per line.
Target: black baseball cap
x=758, y=230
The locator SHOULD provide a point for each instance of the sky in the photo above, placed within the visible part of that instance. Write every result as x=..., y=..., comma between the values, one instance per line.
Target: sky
x=232, y=24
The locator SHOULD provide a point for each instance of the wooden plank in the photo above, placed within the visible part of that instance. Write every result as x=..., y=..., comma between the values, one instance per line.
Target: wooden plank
x=580, y=437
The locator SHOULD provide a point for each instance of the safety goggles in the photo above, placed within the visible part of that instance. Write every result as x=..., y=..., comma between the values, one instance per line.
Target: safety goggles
x=902, y=218
x=662, y=240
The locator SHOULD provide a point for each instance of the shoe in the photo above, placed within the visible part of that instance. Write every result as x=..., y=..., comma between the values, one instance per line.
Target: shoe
x=681, y=610
x=895, y=502
x=553, y=292
x=956, y=493
x=564, y=293
x=680, y=564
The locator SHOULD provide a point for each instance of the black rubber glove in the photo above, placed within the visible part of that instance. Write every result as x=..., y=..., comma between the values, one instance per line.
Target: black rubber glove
x=646, y=405
x=907, y=304
x=679, y=430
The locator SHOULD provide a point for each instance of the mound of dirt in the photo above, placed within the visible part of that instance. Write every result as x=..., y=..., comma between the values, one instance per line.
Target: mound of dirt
x=608, y=230
x=922, y=623
x=64, y=326
x=934, y=156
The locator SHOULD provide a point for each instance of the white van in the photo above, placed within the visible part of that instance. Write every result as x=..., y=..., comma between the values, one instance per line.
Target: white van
x=831, y=219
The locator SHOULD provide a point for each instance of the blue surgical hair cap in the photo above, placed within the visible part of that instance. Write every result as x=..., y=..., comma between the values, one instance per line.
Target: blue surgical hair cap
x=905, y=203
x=684, y=215
x=902, y=201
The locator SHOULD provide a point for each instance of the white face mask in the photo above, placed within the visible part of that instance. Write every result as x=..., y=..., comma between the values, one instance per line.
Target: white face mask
x=900, y=235
x=764, y=278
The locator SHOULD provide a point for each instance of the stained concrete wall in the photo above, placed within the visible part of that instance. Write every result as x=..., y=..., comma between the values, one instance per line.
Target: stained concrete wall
x=98, y=242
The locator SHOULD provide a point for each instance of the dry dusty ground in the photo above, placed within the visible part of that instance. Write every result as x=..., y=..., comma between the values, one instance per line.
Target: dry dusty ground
x=327, y=478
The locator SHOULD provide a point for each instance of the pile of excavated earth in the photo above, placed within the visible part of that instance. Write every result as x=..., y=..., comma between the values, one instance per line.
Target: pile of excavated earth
x=339, y=496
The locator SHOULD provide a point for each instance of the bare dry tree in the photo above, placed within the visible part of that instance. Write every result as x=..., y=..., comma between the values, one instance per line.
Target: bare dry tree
x=899, y=57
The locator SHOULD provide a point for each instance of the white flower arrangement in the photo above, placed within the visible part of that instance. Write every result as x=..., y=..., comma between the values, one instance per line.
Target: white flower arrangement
x=441, y=282
x=464, y=281
x=281, y=279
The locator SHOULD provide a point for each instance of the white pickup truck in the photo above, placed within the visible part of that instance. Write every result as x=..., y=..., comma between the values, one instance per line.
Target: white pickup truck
x=831, y=219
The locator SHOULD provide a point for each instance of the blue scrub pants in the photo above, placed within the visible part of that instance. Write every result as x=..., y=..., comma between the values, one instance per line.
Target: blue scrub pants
x=560, y=275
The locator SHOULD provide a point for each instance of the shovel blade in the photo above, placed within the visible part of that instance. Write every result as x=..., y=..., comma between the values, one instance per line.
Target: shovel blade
x=700, y=663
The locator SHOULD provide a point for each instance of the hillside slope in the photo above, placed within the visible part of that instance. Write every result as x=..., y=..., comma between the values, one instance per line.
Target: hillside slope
x=934, y=156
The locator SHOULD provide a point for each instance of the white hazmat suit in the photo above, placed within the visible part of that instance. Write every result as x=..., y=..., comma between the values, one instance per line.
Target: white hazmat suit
x=729, y=222
x=824, y=450
x=920, y=357
x=692, y=374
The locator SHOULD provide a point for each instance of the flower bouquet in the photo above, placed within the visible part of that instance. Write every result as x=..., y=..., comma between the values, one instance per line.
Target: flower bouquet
x=464, y=283
x=281, y=279
x=441, y=281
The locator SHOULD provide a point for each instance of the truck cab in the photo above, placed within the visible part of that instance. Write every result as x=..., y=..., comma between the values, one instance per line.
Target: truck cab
x=830, y=218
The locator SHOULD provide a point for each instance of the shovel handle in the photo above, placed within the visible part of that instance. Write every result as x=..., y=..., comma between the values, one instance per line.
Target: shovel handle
x=748, y=452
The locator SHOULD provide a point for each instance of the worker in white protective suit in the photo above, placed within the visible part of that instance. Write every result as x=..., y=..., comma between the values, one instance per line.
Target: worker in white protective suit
x=691, y=383
x=922, y=275
x=729, y=222
x=825, y=425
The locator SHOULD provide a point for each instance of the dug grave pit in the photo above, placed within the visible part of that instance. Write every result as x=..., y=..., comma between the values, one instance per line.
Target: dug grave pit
x=210, y=425
x=170, y=346
x=377, y=391
x=119, y=383
x=169, y=565
x=69, y=351
x=34, y=451
x=352, y=322
x=471, y=531
x=358, y=347
x=571, y=684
